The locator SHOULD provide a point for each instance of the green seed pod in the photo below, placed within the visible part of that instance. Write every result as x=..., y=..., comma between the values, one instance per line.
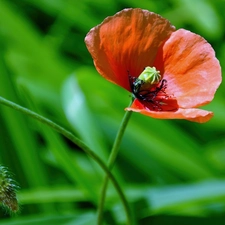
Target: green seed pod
x=150, y=75
x=8, y=190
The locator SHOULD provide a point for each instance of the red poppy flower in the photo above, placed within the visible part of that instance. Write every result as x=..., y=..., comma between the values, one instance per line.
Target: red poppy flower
x=123, y=45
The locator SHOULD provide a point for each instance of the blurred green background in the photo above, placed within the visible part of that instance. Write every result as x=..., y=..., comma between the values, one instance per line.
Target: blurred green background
x=173, y=172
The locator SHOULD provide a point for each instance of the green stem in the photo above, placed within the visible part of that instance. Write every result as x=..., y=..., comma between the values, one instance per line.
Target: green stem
x=75, y=140
x=111, y=161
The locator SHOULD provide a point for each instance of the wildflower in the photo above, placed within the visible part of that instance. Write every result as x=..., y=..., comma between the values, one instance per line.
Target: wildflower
x=169, y=72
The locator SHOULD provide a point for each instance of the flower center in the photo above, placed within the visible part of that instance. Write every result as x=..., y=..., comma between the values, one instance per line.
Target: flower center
x=150, y=76
x=145, y=86
x=151, y=89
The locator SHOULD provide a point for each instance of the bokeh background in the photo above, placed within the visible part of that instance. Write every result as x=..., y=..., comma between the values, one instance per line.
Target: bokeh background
x=173, y=172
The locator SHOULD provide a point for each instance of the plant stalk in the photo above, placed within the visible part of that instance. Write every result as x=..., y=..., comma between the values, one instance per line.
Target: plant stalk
x=78, y=142
x=111, y=161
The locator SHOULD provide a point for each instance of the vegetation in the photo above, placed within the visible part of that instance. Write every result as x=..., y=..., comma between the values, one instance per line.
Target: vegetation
x=171, y=171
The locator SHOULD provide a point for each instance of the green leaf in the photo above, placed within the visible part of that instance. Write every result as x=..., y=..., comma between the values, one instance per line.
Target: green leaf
x=79, y=219
x=80, y=117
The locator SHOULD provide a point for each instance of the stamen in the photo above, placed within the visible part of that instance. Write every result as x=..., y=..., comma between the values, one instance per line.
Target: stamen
x=145, y=89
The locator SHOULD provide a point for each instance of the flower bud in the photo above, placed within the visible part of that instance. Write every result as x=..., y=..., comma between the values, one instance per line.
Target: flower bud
x=8, y=190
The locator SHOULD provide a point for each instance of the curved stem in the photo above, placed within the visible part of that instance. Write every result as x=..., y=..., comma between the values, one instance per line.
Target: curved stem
x=75, y=140
x=111, y=161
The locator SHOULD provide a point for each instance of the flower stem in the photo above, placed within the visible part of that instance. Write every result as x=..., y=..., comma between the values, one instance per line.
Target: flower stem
x=75, y=140
x=111, y=161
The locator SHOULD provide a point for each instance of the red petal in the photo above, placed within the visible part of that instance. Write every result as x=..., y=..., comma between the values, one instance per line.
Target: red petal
x=190, y=67
x=127, y=41
x=195, y=115
x=161, y=104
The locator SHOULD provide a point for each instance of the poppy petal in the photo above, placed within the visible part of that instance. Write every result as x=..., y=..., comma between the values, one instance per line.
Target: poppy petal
x=190, y=67
x=192, y=114
x=126, y=43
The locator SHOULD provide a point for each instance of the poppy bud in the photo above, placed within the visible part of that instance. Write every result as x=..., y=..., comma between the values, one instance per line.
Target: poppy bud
x=150, y=75
x=8, y=191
